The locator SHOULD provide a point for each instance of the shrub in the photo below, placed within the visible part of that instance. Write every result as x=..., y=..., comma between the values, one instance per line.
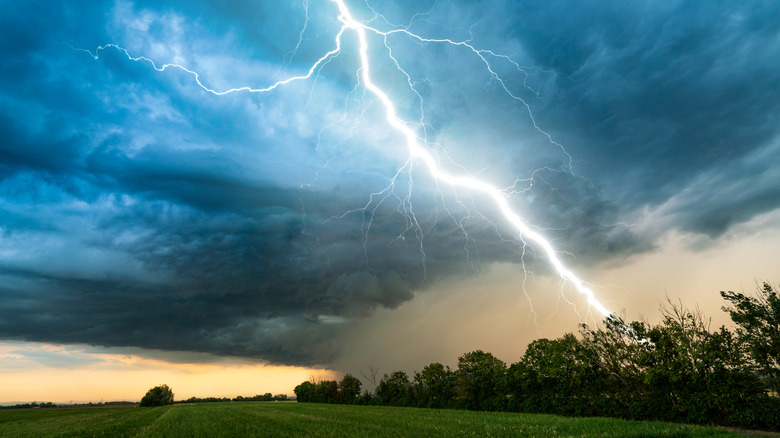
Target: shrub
x=158, y=396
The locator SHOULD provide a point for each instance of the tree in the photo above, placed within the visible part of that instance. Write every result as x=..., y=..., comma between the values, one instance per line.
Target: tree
x=350, y=388
x=305, y=392
x=434, y=386
x=559, y=376
x=678, y=367
x=758, y=318
x=395, y=389
x=326, y=391
x=370, y=375
x=158, y=396
x=481, y=381
x=693, y=374
x=621, y=350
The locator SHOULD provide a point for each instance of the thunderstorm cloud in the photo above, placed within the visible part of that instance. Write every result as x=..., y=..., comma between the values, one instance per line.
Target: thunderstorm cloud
x=139, y=210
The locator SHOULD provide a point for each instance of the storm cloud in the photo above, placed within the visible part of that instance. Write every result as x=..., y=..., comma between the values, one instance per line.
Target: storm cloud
x=139, y=210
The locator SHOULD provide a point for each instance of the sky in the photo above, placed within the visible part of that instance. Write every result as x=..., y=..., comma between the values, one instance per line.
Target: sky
x=174, y=209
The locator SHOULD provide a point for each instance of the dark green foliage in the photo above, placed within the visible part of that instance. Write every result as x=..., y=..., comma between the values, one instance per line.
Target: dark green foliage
x=367, y=399
x=481, y=381
x=329, y=391
x=679, y=370
x=33, y=405
x=561, y=375
x=326, y=391
x=265, y=397
x=621, y=350
x=349, y=389
x=434, y=386
x=759, y=412
x=210, y=399
x=395, y=389
x=158, y=396
x=693, y=373
x=758, y=318
x=305, y=392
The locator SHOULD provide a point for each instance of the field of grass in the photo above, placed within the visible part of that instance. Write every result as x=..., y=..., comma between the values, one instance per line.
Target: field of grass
x=283, y=419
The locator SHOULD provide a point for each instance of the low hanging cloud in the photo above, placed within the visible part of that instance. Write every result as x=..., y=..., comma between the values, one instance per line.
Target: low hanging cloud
x=138, y=210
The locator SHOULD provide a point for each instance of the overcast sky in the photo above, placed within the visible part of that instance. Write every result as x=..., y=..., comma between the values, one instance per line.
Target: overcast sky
x=139, y=210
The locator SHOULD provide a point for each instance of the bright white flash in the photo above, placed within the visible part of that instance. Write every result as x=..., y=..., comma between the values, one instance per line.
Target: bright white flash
x=476, y=185
x=414, y=143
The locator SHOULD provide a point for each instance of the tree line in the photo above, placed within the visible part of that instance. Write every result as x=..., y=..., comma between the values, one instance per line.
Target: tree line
x=162, y=395
x=33, y=405
x=679, y=370
x=264, y=397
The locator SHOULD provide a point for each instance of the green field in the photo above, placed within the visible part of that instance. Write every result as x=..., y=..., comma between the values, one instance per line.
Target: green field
x=284, y=419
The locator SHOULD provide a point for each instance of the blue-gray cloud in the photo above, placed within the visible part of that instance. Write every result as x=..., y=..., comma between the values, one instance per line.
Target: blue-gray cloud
x=138, y=210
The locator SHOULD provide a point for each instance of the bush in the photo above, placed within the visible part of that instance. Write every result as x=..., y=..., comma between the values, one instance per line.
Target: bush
x=158, y=396
x=760, y=412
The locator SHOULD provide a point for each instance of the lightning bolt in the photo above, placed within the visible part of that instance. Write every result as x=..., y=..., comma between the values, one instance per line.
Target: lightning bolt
x=418, y=146
x=419, y=153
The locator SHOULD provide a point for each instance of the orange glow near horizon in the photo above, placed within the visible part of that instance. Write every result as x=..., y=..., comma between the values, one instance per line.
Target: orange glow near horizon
x=85, y=374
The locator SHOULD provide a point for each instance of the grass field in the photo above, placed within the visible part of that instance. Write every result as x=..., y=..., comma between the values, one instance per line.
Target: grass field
x=289, y=419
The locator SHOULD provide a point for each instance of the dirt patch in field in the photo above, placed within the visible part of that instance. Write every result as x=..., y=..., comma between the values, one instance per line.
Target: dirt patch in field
x=743, y=432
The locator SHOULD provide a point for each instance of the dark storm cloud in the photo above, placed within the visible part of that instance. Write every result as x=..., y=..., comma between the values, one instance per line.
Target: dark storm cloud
x=656, y=95
x=138, y=210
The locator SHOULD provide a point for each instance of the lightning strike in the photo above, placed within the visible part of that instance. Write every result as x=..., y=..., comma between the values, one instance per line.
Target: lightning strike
x=418, y=146
x=419, y=153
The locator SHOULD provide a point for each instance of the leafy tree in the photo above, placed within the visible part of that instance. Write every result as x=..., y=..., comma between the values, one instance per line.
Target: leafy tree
x=395, y=389
x=158, y=396
x=520, y=380
x=326, y=391
x=435, y=386
x=560, y=376
x=758, y=318
x=349, y=388
x=693, y=375
x=621, y=350
x=305, y=392
x=480, y=381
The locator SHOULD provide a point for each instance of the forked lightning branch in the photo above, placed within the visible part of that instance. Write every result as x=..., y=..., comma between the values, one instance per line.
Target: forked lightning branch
x=417, y=146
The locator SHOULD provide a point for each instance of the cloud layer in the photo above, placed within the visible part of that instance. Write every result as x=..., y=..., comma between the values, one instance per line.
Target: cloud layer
x=138, y=210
